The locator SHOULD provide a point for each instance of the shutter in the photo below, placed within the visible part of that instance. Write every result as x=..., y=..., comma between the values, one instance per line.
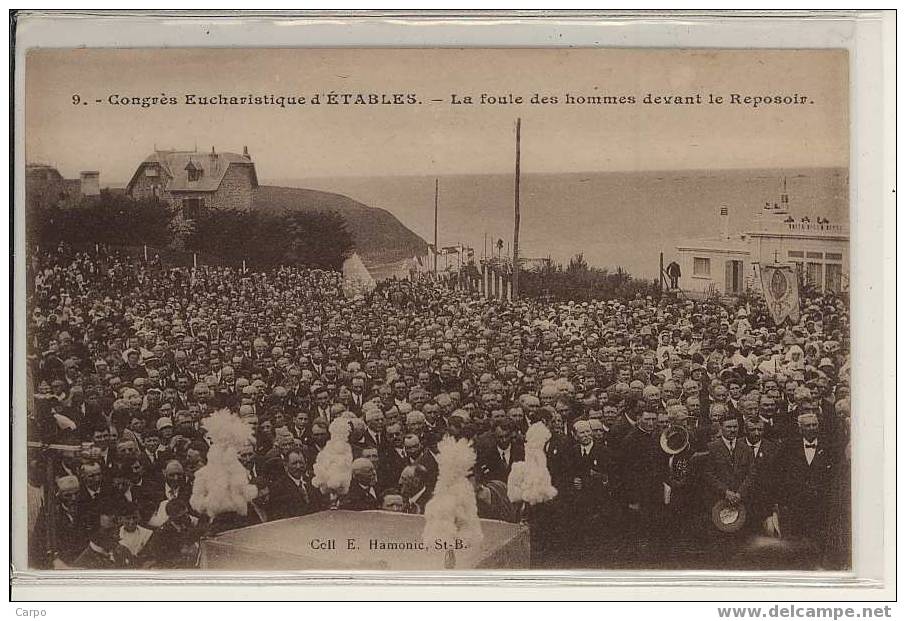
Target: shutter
x=728, y=270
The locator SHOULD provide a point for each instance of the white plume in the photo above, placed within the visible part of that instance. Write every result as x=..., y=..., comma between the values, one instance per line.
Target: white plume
x=515, y=483
x=333, y=466
x=453, y=513
x=222, y=484
x=530, y=481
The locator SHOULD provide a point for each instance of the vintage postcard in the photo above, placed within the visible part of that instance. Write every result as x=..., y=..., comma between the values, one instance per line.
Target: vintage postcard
x=437, y=309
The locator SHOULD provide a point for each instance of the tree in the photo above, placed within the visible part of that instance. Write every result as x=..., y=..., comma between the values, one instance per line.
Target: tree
x=269, y=239
x=109, y=218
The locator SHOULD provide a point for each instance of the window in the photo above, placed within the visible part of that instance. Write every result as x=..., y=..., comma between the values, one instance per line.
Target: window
x=834, y=277
x=796, y=253
x=814, y=255
x=701, y=267
x=814, y=274
x=193, y=171
x=150, y=171
x=833, y=256
x=191, y=208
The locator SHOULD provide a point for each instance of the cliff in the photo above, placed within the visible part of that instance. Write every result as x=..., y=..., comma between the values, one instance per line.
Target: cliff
x=379, y=236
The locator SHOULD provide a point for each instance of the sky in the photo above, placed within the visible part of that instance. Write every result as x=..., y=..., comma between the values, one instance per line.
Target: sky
x=438, y=137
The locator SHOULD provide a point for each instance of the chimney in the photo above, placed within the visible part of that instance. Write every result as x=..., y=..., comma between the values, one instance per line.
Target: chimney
x=90, y=183
x=725, y=221
x=245, y=152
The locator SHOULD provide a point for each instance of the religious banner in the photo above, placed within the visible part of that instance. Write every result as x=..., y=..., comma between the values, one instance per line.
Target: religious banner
x=781, y=292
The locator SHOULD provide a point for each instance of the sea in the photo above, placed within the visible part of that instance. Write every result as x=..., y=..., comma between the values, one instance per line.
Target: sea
x=614, y=219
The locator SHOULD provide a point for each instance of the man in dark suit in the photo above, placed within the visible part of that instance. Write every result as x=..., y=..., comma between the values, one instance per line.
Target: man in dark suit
x=357, y=395
x=776, y=420
x=393, y=457
x=104, y=550
x=321, y=406
x=759, y=486
x=727, y=466
x=495, y=461
x=92, y=493
x=623, y=425
x=427, y=459
x=300, y=427
x=412, y=487
x=175, y=485
x=290, y=494
x=362, y=495
x=69, y=530
x=374, y=431
x=175, y=544
x=591, y=468
x=806, y=466
x=640, y=478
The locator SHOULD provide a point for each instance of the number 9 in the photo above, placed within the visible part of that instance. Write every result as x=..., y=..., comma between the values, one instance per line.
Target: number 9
x=76, y=100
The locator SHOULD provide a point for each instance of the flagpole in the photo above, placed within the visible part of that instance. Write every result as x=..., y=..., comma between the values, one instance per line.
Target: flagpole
x=436, y=187
x=515, y=293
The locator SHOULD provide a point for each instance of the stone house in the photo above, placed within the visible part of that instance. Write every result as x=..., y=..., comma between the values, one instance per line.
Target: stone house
x=192, y=181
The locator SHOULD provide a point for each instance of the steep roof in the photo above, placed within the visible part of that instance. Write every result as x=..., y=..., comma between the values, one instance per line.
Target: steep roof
x=177, y=164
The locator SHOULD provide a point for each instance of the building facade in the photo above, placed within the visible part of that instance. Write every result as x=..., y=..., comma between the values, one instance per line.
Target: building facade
x=192, y=181
x=729, y=264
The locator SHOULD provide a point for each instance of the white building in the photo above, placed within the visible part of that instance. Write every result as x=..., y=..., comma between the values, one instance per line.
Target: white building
x=728, y=264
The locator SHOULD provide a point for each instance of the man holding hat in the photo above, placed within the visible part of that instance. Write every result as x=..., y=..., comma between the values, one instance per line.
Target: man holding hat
x=727, y=467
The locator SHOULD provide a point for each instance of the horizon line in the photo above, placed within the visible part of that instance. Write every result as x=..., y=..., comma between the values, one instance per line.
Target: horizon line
x=524, y=173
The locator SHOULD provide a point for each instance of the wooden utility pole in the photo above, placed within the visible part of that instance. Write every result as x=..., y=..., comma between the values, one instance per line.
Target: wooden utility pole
x=660, y=276
x=516, y=214
x=436, y=187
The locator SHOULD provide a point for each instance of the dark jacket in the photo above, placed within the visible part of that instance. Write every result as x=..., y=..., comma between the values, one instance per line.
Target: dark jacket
x=360, y=498
x=290, y=500
x=492, y=466
x=70, y=533
x=639, y=472
x=804, y=490
x=727, y=472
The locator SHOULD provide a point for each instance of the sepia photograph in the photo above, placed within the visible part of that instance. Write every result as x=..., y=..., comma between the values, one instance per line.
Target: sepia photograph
x=436, y=309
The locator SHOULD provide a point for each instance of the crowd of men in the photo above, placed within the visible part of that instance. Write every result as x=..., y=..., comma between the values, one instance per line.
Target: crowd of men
x=658, y=409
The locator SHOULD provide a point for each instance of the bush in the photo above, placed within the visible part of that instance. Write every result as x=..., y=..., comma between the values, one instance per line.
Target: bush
x=582, y=283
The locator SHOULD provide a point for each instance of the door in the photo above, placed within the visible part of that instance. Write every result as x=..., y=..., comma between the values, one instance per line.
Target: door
x=733, y=281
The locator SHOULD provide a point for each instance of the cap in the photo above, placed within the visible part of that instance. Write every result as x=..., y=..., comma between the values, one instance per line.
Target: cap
x=163, y=422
